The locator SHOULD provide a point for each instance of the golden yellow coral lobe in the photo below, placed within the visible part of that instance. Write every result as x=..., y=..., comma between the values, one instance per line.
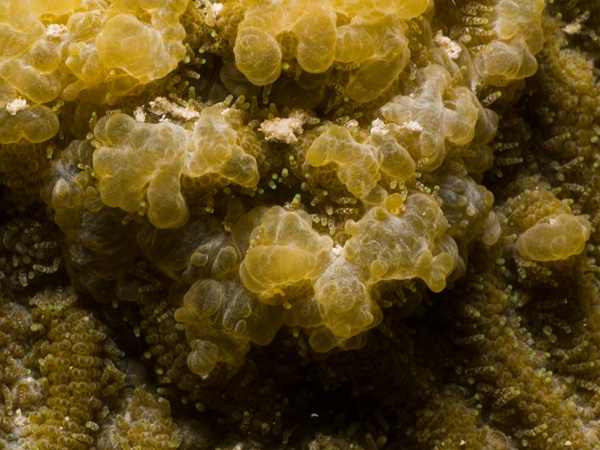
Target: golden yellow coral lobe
x=132, y=164
x=285, y=251
x=554, y=238
x=139, y=161
x=135, y=47
x=35, y=124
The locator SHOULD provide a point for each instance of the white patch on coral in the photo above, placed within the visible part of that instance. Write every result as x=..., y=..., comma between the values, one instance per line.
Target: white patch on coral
x=217, y=7
x=55, y=30
x=352, y=124
x=575, y=26
x=284, y=129
x=161, y=106
x=18, y=104
x=20, y=420
x=139, y=114
x=413, y=126
x=378, y=127
x=572, y=28
x=453, y=49
x=337, y=249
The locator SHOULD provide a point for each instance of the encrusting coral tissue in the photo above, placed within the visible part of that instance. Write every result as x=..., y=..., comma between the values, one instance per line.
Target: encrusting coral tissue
x=299, y=225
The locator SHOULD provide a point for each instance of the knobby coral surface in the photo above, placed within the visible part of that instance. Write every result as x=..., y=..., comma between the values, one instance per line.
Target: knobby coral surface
x=299, y=225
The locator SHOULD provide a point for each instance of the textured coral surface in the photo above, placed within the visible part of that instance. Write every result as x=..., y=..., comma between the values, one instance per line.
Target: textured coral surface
x=299, y=225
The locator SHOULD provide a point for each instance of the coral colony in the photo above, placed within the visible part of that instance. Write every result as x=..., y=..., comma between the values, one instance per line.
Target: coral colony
x=299, y=225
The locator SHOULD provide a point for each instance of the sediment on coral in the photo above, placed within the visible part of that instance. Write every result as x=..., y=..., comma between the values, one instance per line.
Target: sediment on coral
x=299, y=225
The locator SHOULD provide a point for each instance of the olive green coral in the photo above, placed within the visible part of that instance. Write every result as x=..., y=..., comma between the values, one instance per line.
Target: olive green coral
x=299, y=225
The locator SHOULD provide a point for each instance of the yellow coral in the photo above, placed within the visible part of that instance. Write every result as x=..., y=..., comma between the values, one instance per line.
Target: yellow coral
x=404, y=9
x=554, y=238
x=96, y=49
x=412, y=244
x=359, y=165
x=221, y=318
x=453, y=110
x=375, y=76
x=257, y=55
x=354, y=44
x=383, y=247
x=35, y=124
x=367, y=220
x=54, y=7
x=138, y=48
x=217, y=151
x=286, y=251
x=377, y=41
x=138, y=160
x=317, y=35
x=505, y=61
x=30, y=81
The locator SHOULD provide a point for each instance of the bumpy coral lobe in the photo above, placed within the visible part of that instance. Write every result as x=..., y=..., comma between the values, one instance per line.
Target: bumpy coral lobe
x=285, y=251
x=387, y=272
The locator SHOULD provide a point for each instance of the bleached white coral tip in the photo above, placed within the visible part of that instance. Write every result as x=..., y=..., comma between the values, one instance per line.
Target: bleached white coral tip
x=54, y=30
x=18, y=104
